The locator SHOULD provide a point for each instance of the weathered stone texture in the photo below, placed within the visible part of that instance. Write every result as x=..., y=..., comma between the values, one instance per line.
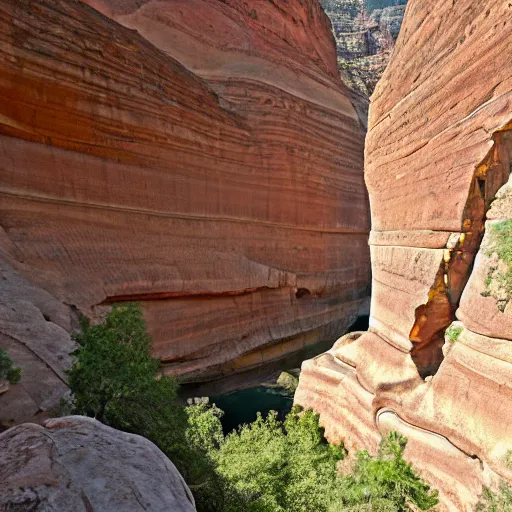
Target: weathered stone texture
x=201, y=156
x=79, y=464
x=438, y=150
x=364, y=40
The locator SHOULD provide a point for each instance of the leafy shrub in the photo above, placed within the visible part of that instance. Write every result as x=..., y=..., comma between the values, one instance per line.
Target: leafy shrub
x=502, y=240
x=499, y=281
x=267, y=466
x=115, y=380
x=453, y=333
x=290, y=468
x=500, y=502
x=8, y=371
x=279, y=467
x=386, y=481
x=204, y=426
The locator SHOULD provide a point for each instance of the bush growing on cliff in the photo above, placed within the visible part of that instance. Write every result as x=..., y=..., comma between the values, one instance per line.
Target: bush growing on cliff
x=499, y=279
x=8, y=371
x=386, y=481
x=453, y=332
x=267, y=466
x=204, y=427
x=115, y=380
x=289, y=467
x=276, y=467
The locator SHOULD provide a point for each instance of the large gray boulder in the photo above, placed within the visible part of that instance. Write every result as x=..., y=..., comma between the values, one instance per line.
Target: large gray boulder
x=78, y=464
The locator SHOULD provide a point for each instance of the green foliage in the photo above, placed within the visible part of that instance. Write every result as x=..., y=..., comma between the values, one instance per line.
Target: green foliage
x=205, y=428
x=267, y=466
x=387, y=480
x=500, y=502
x=502, y=240
x=115, y=380
x=278, y=467
x=453, y=333
x=113, y=369
x=289, y=467
x=500, y=244
x=8, y=371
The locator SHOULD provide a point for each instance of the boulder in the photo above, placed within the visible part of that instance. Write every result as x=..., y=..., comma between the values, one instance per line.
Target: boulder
x=78, y=464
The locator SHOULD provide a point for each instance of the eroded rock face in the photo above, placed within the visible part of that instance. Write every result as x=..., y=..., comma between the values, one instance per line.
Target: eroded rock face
x=35, y=330
x=438, y=150
x=77, y=463
x=365, y=40
x=200, y=156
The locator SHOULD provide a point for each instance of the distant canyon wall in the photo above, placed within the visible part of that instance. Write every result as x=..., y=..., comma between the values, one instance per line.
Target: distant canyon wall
x=365, y=38
x=438, y=163
x=199, y=156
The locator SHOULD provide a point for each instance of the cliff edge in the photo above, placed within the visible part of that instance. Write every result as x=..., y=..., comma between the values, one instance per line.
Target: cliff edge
x=438, y=154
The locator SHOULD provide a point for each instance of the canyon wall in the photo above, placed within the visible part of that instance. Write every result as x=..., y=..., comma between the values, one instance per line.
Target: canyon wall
x=199, y=156
x=438, y=154
x=365, y=38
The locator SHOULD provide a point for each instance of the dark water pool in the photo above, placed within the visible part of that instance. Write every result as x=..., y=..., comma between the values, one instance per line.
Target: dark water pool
x=242, y=406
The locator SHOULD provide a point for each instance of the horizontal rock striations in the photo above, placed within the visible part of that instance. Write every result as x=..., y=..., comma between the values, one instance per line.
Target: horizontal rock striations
x=199, y=156
x=365, y=38
x=438, y=153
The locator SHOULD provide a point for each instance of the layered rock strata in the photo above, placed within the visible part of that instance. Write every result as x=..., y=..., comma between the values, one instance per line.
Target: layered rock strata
x=77, y=463
x=438, y=150
x=199, y=156
x=365, y=40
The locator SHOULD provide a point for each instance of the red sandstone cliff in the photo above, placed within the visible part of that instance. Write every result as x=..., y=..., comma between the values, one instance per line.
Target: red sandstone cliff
x=200, y=156
x=439, y=147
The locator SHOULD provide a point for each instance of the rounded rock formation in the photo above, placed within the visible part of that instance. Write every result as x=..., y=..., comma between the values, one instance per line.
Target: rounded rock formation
x=77, y=463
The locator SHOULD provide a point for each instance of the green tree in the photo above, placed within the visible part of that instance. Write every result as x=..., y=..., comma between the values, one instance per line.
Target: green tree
x=115, y=380
x=204, y=427
x=386, y=481
x=267, y=466
x=276, y=467
x=8, y=371
x=289, y=467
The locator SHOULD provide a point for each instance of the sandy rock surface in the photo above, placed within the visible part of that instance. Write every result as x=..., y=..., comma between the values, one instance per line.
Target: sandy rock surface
x=199, y=156
x=438, y=154
x=78, y=464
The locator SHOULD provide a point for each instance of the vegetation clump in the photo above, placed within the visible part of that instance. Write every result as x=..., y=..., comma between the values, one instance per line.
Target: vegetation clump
x=385, y=482
x=453, y=332
x=280, y=466
x=496, y=502
x=499, y=279
x=115, y=380
x=8, y=371
x=266, y=466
